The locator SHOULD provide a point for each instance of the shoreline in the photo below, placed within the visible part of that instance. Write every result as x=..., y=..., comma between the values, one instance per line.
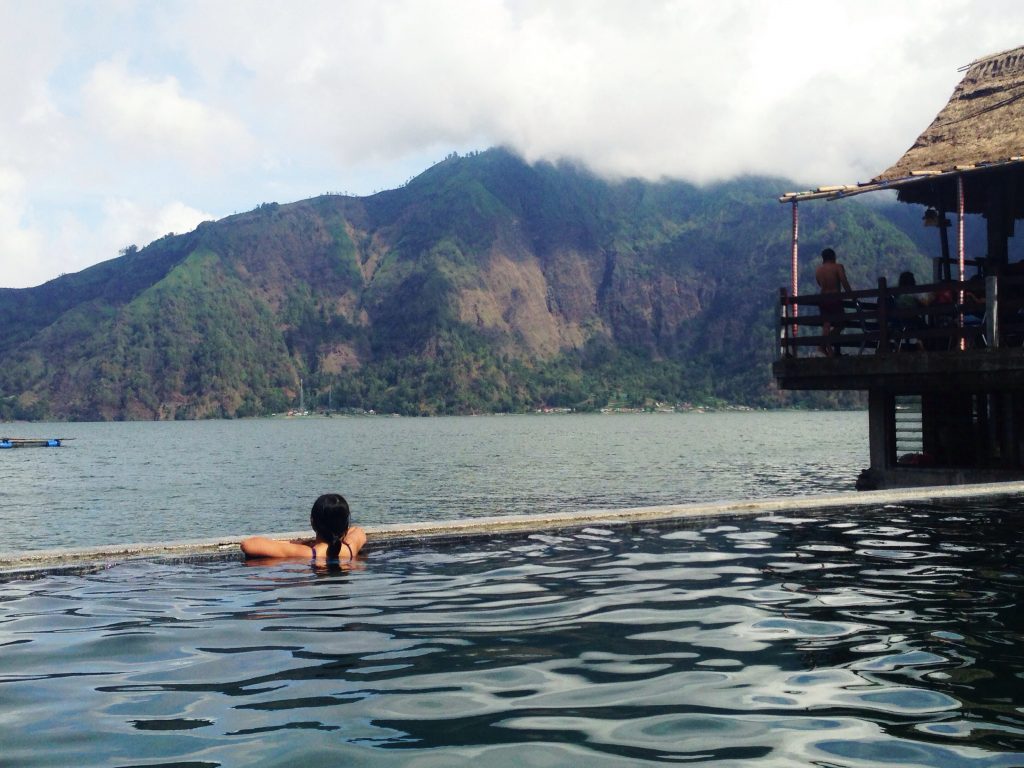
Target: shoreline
x=34, y=563
x=341, y=414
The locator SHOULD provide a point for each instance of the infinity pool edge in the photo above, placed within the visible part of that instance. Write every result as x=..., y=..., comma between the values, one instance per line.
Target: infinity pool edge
x=34, y=562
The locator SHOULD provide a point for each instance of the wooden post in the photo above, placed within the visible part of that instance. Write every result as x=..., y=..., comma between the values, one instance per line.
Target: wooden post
x=781, y=323
x=999, y=221
x=992, y=311
x=883, y=317
x=960, y=248
x=944, y=241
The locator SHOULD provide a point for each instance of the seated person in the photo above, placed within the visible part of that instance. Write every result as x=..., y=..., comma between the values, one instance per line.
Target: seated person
x=911, y=318
x=908, y=316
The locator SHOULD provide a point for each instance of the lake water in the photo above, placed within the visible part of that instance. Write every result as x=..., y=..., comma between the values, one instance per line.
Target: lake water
x=888, y=635
x=844, y=638
x=118, y=483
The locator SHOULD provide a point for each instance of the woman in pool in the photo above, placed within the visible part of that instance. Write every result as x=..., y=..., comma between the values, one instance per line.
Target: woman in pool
x=335, y=539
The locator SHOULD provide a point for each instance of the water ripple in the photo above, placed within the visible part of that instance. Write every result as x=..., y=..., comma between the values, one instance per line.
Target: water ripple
x=601, y=647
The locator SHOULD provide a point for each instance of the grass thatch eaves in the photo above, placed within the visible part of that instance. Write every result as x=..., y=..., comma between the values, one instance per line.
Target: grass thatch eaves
x=982, y=124
x=978, y=135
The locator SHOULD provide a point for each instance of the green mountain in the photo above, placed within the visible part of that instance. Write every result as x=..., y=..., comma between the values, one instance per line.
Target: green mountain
x=484, y=284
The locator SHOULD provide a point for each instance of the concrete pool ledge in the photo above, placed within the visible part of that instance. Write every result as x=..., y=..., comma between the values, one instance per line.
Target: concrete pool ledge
x=79, y=558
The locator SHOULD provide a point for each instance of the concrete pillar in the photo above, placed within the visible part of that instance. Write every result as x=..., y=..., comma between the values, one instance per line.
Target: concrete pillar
x=881, y=429
x=950, y=432
x=1008, y=447
x=931, y=442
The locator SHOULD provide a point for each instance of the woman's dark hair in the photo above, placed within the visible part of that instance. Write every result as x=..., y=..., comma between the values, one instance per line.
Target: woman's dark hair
x=907, y=279
x=329, y=518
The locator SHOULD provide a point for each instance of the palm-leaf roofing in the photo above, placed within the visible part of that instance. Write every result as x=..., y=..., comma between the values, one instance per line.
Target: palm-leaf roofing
x=979, y=134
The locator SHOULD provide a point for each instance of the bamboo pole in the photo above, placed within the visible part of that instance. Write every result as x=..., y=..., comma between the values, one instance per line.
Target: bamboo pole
x=794, y=287
x=960, y=249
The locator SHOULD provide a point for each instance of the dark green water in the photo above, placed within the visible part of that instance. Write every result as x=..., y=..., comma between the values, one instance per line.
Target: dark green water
x=877, y=636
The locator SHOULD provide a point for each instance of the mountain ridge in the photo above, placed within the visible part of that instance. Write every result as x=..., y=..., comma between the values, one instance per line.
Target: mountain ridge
x=484, y=284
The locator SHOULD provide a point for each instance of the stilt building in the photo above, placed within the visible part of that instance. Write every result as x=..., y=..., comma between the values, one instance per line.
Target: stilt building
x=942, y=363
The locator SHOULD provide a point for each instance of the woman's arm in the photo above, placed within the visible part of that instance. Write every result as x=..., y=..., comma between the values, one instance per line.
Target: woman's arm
x=261, y=546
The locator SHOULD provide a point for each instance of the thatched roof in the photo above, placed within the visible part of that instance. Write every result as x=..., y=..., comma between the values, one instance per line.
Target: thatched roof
x=983, y=123
x=978, y=135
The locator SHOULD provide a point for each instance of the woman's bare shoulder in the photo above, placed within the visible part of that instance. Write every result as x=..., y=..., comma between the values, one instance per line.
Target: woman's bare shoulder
x=355, y=539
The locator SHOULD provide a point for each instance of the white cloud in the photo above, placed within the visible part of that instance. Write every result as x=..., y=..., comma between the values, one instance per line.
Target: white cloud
x=20, y=246
x=154, y=118
x=698, y=90
x=129, y=223
x=224, y=105
x=73, y=240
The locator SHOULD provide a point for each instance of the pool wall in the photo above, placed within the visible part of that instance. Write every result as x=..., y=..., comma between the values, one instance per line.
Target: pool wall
x=38, y=562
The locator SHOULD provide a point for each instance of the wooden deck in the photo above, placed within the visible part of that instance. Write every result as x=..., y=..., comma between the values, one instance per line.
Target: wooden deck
x=906, y=339
x=908, y=371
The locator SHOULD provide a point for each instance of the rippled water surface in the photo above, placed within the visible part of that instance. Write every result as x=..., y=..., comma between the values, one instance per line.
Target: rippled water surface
x=885, y=636
x=146, y=481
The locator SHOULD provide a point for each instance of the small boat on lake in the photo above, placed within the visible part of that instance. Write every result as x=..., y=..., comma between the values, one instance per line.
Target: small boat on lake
x=32, y=442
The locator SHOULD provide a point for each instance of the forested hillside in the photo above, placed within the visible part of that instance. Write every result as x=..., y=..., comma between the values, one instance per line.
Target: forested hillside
x=485, y=284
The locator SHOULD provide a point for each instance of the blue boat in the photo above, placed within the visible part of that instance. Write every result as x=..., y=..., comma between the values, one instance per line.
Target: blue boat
x=31, y=442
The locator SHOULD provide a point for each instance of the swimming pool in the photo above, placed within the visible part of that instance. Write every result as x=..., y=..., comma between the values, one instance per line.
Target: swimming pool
x=886, y=636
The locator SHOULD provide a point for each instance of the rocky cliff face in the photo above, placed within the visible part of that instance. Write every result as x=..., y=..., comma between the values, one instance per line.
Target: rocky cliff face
x=483, y=284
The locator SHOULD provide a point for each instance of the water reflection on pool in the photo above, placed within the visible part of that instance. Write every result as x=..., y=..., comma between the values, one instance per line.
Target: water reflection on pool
x=880, y=636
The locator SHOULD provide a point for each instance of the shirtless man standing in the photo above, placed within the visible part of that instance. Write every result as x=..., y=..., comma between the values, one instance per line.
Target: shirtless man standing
x=831, y=277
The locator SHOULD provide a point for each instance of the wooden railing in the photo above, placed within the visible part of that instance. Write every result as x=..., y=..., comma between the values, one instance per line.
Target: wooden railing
x=951, y=315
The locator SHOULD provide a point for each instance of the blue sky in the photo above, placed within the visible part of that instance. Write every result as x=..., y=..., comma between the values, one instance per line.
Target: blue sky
x=125, y=120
